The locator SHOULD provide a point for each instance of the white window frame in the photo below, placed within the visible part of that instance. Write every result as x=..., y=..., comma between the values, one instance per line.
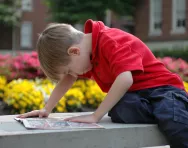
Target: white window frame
x=152, y=30
x=175, y=29
x=27, y=5
x=26, y=40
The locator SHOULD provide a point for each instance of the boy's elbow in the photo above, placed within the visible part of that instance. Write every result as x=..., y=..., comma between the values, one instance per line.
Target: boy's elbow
x=130, y=82
x=126, y=78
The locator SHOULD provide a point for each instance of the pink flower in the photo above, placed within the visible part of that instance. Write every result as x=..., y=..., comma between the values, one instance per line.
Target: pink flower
x=176, y=65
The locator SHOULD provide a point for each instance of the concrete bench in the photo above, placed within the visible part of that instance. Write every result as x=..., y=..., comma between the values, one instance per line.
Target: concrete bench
x=13, y=134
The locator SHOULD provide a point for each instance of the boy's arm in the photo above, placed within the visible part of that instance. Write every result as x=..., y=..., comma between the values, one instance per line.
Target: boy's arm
x=120, y=86
x=61, y=88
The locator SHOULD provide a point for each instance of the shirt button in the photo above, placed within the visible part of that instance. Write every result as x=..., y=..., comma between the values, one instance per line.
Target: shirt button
x=96, y=63
x=98, y=73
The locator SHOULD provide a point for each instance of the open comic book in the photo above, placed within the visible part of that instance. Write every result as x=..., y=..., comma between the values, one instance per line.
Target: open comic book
x=54, y=123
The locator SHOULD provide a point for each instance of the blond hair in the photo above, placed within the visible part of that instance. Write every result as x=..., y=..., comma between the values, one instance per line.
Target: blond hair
x=52, y=47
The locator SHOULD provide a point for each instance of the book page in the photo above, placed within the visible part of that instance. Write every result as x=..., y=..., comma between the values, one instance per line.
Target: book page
x=45, y=123
x=54, y=123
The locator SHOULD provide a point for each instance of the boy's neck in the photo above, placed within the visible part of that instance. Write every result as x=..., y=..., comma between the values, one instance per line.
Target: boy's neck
x=86, y=43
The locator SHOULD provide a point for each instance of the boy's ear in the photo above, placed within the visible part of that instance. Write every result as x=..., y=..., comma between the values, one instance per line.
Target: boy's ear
x=73, y=51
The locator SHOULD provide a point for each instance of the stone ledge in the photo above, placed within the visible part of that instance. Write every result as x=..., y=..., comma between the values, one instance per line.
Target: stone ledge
x=114, y=135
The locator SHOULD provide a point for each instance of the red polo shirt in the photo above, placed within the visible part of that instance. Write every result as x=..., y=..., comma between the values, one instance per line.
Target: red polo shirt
x=115, y=51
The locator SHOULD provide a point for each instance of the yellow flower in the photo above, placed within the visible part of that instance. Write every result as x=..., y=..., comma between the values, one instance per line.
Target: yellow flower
x=186, y=86
x=22, y=111
x=15, y=105
x=3, y=82
x=91, y=101
x=60, y=109
x=23, y=93
x=41, y=106
x=37, y=101
x=84, y=102
x=71, y=102
x=26, y=95
x=22, y=104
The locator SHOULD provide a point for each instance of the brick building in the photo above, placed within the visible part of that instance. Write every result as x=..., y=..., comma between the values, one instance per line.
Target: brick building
x=33, y=21
x=159, y=23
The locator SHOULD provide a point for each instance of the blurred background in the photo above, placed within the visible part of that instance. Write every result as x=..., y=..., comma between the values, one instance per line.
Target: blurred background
x=161, y=24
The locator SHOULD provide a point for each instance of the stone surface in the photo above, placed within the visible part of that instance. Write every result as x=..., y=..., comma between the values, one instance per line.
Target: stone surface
x=13, y=134
x=166, y=146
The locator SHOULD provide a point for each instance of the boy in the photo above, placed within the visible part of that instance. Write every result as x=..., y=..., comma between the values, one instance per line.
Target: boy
x=140, y=89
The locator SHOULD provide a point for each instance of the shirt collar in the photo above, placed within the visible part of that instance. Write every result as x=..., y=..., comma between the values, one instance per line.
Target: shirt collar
x=93, y=27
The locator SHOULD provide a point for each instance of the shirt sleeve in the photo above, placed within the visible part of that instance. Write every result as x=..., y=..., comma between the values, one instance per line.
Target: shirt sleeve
x=123, y=58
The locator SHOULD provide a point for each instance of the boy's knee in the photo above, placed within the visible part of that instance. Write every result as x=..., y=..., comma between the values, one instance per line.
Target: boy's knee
x=130, y=109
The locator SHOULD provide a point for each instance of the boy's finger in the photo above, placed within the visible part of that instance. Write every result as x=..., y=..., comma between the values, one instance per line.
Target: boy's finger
x=29, y=114
x=21, y=116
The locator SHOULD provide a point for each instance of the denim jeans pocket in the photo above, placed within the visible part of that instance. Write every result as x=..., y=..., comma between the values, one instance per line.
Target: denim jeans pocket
x=180, y=108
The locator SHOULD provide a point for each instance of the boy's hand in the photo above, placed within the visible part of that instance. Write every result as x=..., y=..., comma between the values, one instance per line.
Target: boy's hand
x=36, y=113
x=91, y=118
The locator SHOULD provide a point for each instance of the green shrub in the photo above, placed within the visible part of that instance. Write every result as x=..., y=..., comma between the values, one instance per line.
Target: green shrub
x=175, y=53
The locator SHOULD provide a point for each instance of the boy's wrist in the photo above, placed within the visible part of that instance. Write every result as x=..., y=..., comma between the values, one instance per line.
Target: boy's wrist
x=97, y=116
x=47, y=109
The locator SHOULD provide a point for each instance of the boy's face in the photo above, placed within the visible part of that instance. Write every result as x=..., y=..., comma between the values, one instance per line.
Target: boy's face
x=79, y=63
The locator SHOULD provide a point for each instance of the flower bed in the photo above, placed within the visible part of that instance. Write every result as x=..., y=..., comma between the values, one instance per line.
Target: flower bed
x=26, y=66
x=20, y=66
x=25, y=95
x=178, y=66
x=24, y=88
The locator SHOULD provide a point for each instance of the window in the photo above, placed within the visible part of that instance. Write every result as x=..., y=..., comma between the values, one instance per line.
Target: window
x=178, y=16
x=26, y=35
x=155, y=17
x=27, y=5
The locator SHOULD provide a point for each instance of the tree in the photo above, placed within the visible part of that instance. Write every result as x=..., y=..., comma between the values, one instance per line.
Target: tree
x=10, y=15
x=10, y=12
x=78, y=11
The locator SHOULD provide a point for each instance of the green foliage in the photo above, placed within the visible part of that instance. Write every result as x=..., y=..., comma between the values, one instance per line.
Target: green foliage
x=175, y=53
x=78, y=11
x=10, y=12
x=122, y=7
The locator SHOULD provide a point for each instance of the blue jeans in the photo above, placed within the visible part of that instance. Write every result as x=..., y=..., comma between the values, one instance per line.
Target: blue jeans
x=166, y=106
